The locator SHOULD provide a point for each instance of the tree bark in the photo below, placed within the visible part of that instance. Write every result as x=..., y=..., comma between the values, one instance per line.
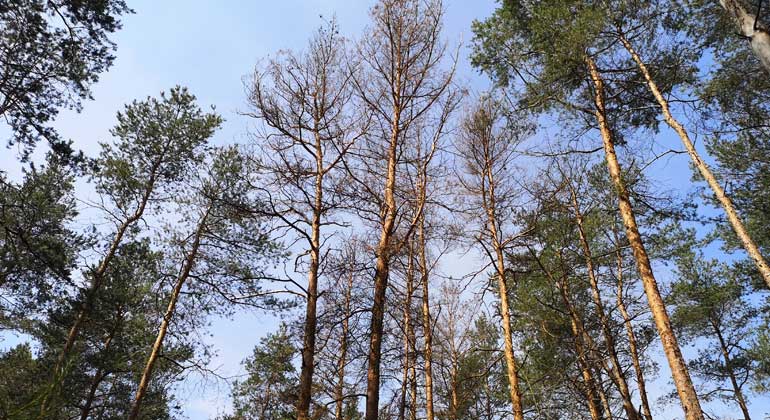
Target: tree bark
x=732, y=214
x=158, y=344
x=408, y=331
x=609, y=339
x=427, y=322
x=340, y=388
x=728, y=364
x=505, y=313
x=679, y=371
x=632, y=346
x=382, y=271
x=311, y=322
x=749, y=27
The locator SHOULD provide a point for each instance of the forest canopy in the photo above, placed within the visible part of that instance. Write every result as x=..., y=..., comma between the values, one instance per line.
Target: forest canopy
x=565, y=216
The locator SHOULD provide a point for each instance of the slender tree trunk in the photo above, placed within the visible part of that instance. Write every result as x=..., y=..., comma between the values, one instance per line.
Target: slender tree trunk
x=308, y=345
x=609, y=339
x=681, y=375
x=502, y=286
x=749, y=27
x=408, y=331
x=729, y=365
x=632, y=346
x=158, y=344
x=453, y=398
x=732, y=214
x=340, y=389
x=85, y=411
x=96, y=282
x=578, y=334
x=382, y=271
x=427, y=323
x=603, y=394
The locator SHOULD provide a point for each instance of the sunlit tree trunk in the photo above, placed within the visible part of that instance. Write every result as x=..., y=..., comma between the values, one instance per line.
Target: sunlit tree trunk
x=756, y=32
x=679, y=371
x=632, y=346
x=157, y=346
x=408, y=331
x=730, y=371
x=505, y=312
x=732, y=214
x=342, y=362
x=609, y=338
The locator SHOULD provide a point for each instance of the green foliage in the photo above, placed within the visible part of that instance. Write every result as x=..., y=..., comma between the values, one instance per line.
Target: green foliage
x=269, y=390
x=37, y=248
x=52, y=52
x=158, y=144
x=711, y=304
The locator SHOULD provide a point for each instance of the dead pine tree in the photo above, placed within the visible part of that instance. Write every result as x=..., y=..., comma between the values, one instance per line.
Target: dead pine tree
x=487, y=148
x=403, y=80
x=304, y=101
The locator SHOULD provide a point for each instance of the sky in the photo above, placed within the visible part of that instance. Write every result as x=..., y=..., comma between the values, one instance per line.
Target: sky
x=210, y=47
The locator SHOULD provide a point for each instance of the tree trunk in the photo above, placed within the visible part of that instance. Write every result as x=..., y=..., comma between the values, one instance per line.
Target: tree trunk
x=308, y=345
x=408, y=332
x=381, y=275
x=681, y=375
x=340, y=389
x=594, y=398
x=427, y=323
x=728, y=364
x=85, y=411
x=96, y=282
x=158, y=344
x=749, y=27
x=502, y=286
x=703, y=169
x=609, y=339
x=633, y=349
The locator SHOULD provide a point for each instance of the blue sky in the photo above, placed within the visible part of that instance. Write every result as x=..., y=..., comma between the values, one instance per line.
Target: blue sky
x=210, y=47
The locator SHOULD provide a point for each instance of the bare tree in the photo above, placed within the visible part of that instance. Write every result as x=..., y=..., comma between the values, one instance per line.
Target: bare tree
x=403, y=82
x=305, y=102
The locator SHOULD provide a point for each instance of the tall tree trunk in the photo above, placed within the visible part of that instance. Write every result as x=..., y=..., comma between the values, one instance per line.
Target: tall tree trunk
x=732, y=214
x=340, y=388
x=309, y=339
x=96, y=282
x=382, y=272
x=85, y=411
x=502, y=288
x=632, y=346
x=594, y=397
x=603, y=394
x=609, y=339
x=749, y=27
x=190, y=259
x=681, y=375
x=729, y=366
x=408, y=331
x=427, y=321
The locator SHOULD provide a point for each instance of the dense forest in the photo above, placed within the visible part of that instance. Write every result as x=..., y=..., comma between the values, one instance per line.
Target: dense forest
x=421, y=249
